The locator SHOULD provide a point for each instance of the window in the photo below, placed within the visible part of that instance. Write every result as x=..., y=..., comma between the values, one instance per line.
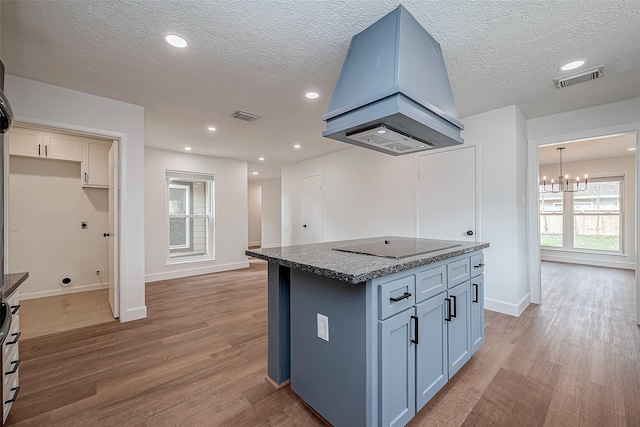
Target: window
x=189, y=216
x=589, y=220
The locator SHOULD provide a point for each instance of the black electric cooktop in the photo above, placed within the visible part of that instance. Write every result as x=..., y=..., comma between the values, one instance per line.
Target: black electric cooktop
x=399, y=247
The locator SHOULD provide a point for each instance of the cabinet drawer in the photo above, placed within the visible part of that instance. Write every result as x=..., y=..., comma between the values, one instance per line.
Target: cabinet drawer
x=477, y=265
x=396, y=296
x=458, y=272
x=11, y=337
x=14, y=299
x=430, y=283
x=9, y=394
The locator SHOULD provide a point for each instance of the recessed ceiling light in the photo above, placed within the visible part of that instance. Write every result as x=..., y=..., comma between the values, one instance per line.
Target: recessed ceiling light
x=175, y=40
x=382, y=131
x=187, y=148
x=254, y=173
x=631, y=149
x=261, y=159
x=296, y=146
x=211, y=128
x=571, y=65
x=312, y=95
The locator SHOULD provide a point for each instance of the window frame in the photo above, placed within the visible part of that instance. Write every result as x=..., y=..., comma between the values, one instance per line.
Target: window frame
x=188, y=180
x=568, y=220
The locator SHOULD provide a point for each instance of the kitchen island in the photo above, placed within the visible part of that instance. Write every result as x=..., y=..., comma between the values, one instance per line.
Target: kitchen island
x=368, y=340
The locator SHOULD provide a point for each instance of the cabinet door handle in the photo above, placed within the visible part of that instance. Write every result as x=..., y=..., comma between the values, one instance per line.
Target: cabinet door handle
x=15, y=395
x=448, y=316
x=86, y=178
x=15, y=308
x=46, y=151
x=15, y=364
x=479, y=265
x=475, y=288
x=15, y=341
x=415, y=341
x=405, y=296
x=38, y=149
x=454, y=306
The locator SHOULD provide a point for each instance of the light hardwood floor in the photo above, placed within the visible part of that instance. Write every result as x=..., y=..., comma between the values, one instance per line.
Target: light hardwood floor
x=199, y=359
x=44, y=316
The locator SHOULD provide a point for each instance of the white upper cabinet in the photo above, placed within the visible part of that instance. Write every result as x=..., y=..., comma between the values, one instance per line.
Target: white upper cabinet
x=45, y=145
x=95, y=163
x=62, y=147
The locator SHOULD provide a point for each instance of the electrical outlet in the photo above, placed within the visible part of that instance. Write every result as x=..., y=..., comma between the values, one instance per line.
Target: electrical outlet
x=15, y=226
x=323, y=327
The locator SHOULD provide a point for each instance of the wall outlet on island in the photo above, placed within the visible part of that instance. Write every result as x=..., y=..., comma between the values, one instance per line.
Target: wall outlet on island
x=323, y=327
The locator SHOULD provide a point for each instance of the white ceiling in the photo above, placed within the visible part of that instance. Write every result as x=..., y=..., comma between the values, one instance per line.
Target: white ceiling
x=262, y=56
x=588, y=149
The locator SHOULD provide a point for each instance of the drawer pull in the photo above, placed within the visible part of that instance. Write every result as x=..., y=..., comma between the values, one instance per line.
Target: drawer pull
x=479, y=265
x=448, y=318
x=15, y=395
x=475, y=297
x=15, y=308
x=17, y=335
x=15, y=363
x=405, y=296
x=415, y=341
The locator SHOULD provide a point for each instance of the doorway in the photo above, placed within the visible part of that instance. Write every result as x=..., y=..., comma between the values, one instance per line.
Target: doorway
x=589, y=223
x=62, y=227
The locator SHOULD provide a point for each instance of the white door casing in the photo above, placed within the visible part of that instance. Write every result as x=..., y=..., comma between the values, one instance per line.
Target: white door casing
x=114, y=285
x=312, y=209
x=446, y=195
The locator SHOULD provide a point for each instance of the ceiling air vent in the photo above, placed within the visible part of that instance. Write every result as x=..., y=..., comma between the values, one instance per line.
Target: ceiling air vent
x=247, y=117
x=580, y=77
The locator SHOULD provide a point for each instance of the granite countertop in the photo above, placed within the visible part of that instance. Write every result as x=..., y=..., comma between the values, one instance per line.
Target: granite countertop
x=11, y=283
x=321, y=259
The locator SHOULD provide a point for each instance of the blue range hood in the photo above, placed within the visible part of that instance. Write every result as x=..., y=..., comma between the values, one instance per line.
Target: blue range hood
x=393, y=94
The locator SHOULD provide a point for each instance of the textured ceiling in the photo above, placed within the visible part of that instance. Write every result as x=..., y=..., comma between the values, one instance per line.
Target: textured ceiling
x=262, y=56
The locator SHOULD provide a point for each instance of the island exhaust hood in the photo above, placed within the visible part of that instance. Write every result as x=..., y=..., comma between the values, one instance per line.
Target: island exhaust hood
x=393, y=94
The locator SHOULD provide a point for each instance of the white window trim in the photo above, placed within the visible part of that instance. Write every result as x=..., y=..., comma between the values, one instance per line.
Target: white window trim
x=209, y=215
x=187, y=234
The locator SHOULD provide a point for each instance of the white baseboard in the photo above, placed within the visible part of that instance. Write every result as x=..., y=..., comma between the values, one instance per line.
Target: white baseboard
x=135, y=313
x=586, y=260
x=271, y=245
x=508, y=307
x=63, y=291
x=186, y=272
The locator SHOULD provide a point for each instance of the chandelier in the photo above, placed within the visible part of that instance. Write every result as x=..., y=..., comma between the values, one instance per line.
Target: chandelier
x=562, y=183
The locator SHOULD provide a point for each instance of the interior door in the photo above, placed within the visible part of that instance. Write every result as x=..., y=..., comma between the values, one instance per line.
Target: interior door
x=114, y=285
x=312, y=209
x=447, y=195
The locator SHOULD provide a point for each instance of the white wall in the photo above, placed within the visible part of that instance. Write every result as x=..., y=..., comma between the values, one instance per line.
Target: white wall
x=271, y=217
x=48, y=105
x=255, y=213
x=501, y=137
x=46, y=208
x=602, y=167
x=365, y=194
x=230, y=183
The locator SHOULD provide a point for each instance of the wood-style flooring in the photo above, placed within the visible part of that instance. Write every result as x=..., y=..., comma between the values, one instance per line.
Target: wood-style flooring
x=44, y=316
x=199, y=359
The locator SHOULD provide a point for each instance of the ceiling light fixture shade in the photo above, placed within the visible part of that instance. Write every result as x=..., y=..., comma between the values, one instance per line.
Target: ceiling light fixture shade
x=312, y=95
x=572, y=65
x=176, y=40
x=564, y=182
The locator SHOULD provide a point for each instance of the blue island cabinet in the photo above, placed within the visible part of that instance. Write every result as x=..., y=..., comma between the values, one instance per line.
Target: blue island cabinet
x=392, y=342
